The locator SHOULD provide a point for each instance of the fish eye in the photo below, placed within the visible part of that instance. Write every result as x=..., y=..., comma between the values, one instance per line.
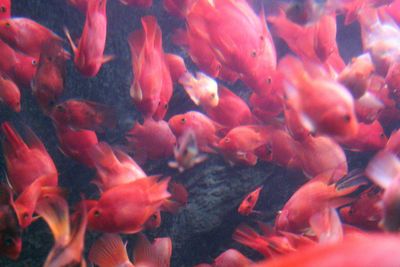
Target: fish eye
x=60, y=108
x=183, y=120
x=3, y=9
x=25, y=215
x=153, y=217
x=166, y=106
x=8, y=25
x=269, y=80
x=347, y=118
x=253, y=53
x=261, y=37
x=34, y=62
x=96, y=213
x=213, y=95
x=227, y=139
x=250, y=198
x=219, y=67
x=382, y=135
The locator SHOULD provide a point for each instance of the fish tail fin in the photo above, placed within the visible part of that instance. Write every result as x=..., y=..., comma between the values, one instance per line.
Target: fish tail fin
x=383, y=169
x=178, y=199
x=327, y=226
x=54, y=210
x=156, y=254
x=108, y=250
x=250, y=238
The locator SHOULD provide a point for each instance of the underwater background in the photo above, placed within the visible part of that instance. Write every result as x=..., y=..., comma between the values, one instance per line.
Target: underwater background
x=202, y=229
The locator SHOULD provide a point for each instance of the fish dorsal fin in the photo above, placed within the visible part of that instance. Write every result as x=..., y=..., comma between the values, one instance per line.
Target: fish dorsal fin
x=108, y=250
x=32, y=140
x=156, y=254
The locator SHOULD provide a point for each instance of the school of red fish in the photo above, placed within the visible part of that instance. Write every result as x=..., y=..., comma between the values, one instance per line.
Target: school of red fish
x=305, y=109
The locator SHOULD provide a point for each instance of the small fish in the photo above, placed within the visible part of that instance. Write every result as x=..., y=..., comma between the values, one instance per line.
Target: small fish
x=83, y=114
x=48, y=83
x=89, y=54
x=202, y=89
x=9, y=93
x=249, y=202
x=204, y=129
x=157, y=253
x=142, y=198
x=186, y=152
x=5, y=9
x=26, y=35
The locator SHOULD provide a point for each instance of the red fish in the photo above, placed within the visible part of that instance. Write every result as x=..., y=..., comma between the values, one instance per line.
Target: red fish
x=83, y=114
x=312, y=197
x=353, y=251
x=9, y=93
x=18, y=66
x=5, y=9
x=10, y=231
x=48, y=83
x=138, y=3
x=76, y=143
x=89, y=54
x=142, y=198
x=152, y=139
x=365, y=212
x=370, y=137
x=322, y=104
x=157, y=253
x=177, y=8
x=249, y=202
x=113, y=167
x=69, y=237
x=205, y=130
x=26, y=35
x=26, y=161
x=176, y=66
x=151, y=88
x=254, y=57
x=240, y=144
x=222, y=113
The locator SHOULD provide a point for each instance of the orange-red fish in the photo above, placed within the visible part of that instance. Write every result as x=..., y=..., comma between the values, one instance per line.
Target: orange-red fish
x=26, y=35
x=370, y=137
x=151, y=88
x=366, y=211
x=83, y=114
x=205, y=129
x=355, y=251
x=222, y=113
x=152, y=139
x=126, y=208
x=18, y=66
x=220, y=25
x=9, y=93
x=48, y=83
x=26, y=160
x=81, y=5
x=239, y=144
x=69, y=236
x=76, y=143
x=312, y=197
x=249, y=202
x=89, y=54
x=113, y=167
x=322, y=104
x=157, y=253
